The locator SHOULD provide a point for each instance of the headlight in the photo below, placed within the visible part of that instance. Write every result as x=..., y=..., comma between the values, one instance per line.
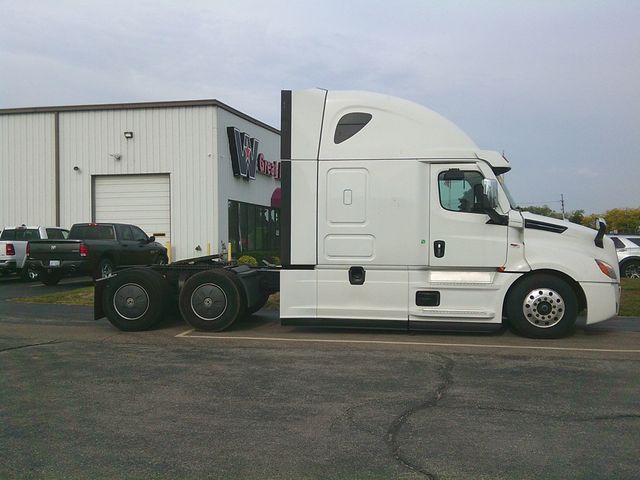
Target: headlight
x=607, y=269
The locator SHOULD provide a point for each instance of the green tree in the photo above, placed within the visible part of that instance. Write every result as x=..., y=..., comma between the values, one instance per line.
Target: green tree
x=544, y=210
x=619, y=220
x=576, y=216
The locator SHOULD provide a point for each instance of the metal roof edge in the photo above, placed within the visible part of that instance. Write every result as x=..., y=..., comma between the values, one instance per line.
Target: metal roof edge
x=139, y=105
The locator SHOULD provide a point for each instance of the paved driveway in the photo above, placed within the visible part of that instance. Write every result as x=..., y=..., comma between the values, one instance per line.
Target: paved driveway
x=83, y=400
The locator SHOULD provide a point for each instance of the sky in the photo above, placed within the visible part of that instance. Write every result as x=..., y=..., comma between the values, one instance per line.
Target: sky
x=554, y=84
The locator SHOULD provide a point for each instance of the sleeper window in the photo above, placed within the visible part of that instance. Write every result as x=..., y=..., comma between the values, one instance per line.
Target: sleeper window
x=349, y=125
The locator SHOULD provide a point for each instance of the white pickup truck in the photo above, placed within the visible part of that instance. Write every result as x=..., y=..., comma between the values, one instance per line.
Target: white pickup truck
x=13, y=246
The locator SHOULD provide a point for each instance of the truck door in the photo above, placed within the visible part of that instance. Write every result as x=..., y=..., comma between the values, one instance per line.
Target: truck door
x=461, y=235
x=128, y=251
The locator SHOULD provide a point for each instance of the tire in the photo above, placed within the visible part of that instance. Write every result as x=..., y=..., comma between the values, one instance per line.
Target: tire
x=28, y=274
x=542, y=306
x=134, y=300
x=105, y=268
x=49, y=279
x=212, y=300
x=630, y=269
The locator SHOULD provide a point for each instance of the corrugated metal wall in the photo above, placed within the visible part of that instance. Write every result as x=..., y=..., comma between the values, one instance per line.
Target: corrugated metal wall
x=188, y=143
x=27, y=161
x=179, y=141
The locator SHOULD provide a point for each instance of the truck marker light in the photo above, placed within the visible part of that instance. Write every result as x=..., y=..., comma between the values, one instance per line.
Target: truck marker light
x=501, y=269
x=607, y=269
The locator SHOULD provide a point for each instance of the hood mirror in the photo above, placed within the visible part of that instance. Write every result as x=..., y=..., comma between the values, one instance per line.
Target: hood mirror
x=490, y=191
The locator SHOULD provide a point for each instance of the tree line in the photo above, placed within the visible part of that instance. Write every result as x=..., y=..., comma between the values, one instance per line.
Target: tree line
x=619, y=220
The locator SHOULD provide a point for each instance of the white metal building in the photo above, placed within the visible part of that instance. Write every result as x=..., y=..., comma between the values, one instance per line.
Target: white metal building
x=176, y=169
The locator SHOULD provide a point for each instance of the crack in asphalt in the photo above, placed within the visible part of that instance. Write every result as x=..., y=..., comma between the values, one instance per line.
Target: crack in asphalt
x=571, y=418
x=445, y=373
x=29, y=345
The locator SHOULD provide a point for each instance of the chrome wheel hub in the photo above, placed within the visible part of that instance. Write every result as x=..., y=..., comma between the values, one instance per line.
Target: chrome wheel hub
x=543, y=307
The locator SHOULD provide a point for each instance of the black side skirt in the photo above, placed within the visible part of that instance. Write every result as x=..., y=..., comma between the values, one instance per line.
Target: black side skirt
x=392, y=325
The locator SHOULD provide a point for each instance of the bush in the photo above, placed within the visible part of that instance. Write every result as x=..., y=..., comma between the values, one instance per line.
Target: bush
x=248, y=260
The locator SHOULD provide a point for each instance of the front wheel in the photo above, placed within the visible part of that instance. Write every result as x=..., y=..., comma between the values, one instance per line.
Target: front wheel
x=630, y=269
x=542, y=306
x=212, y=300
x=134, y=300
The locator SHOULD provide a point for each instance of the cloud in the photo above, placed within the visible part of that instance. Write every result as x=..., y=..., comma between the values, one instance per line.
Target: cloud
x=587, y=172
x=552, y=83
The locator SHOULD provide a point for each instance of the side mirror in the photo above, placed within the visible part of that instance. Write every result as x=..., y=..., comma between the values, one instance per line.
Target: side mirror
x=152, y=238
x=490, y=191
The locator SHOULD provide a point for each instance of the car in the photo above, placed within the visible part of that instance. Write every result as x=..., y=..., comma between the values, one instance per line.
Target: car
x=628, y=250
x=13, y=243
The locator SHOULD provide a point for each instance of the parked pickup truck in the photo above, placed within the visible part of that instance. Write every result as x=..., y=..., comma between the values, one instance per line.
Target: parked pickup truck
x=94, y=249
x=13, y=246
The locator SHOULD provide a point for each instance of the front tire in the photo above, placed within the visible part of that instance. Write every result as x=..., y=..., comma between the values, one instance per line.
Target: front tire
x=212, y=300
x=542, y=306
x=630, y=269
x=134, y=300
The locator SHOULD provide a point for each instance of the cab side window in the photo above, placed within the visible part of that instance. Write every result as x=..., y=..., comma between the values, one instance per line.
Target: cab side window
x=125, y=233
x=461, y=195
x=138, y=235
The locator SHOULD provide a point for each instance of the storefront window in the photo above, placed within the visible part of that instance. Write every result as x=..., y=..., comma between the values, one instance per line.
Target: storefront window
x=254, y=230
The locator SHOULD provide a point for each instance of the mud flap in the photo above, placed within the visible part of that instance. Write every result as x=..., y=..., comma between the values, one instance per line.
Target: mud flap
x=98, y=291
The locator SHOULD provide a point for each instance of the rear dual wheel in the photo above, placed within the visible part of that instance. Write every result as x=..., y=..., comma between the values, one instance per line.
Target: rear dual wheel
x=542, y=306
x=212, y=300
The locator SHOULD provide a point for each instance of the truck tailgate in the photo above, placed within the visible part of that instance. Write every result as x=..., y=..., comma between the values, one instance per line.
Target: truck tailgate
x=48, y=251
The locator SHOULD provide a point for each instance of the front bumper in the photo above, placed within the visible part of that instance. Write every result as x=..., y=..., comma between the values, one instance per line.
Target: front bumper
x=603, y=301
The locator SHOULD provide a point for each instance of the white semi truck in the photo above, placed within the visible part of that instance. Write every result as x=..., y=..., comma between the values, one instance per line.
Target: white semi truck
x=391, y=218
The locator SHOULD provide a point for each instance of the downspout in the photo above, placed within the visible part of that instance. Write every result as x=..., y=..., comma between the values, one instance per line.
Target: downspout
x=56, y=173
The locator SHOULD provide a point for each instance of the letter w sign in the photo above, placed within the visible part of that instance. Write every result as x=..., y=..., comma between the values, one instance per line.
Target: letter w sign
x=244, y=153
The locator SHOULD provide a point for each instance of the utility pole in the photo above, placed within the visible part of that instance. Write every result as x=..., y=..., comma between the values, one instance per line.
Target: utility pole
x=562, y=204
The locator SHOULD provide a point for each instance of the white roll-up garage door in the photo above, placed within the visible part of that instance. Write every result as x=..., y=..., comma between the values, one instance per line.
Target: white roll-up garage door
x=142, y=200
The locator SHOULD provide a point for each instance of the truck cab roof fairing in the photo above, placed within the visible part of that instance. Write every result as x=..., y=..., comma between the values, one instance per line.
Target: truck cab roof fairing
x=398, y=129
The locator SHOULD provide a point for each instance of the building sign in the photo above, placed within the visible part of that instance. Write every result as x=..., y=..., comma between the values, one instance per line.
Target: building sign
x=245, y=159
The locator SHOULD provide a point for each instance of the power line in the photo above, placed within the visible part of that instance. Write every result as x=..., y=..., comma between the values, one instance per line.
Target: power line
x=539, y=203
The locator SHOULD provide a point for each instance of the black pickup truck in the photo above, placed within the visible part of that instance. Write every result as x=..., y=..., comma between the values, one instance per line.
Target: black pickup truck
x=94, y=249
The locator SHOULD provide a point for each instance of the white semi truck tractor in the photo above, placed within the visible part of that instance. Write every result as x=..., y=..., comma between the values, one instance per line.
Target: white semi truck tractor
x=391, y=218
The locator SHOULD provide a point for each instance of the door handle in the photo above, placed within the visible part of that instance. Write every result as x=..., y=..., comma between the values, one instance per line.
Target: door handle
x=438, y=248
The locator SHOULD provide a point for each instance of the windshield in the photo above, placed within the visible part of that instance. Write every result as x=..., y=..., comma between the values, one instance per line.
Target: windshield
x=512, y=202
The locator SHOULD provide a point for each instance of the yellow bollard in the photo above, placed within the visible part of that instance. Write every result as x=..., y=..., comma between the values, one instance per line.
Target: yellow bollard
x=208, y=248
x=168, y=245
x=229, y=253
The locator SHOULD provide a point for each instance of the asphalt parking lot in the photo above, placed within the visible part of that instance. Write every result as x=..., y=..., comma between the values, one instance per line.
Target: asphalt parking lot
x=81, y=399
